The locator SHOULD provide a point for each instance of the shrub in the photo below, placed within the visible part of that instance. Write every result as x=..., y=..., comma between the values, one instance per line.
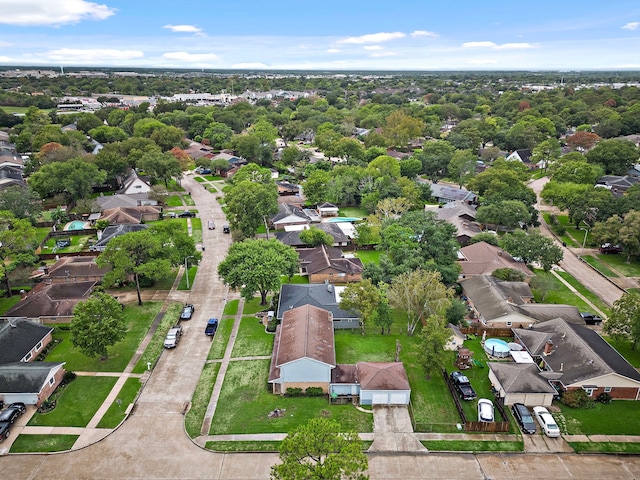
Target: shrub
x=314, y=392
x=553, y=220
x=577, y=398
x=293, y=392
x=560, y=230
x=604, y=398
x=68, y=377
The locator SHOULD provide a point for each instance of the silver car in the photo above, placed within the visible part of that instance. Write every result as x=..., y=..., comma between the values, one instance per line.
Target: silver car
x=173, y=337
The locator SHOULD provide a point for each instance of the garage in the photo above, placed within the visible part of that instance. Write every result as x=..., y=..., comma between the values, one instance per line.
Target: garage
x=383, y=383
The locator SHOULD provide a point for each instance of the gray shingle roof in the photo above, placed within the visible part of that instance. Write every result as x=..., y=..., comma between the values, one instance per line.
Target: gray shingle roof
x=25, y=377
x=520, y=378
x=18, y=337
x=320, y=295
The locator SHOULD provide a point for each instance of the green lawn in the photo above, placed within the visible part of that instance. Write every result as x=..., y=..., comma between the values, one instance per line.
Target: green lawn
x=369, y=256
x=296, y=279
x=174, y=201
x=7, y=302
x=138, y=319
x=600, y=266
x=252, y=339
x=624, y=349
x=22, y=110
x=192, y=276
x=195, y=416
x=245, y=402
x=156, y=345
x=593, y=298
x=244, y=446
x=188, y=200
x=473, y=446
x=253, y=306
x=196, y=229
x=605, y=447
x=199, y=179
x=352, y=212
x=43, y=443
x=559, y=294
x=41, y=233
x=78, y=243
x=116, y=411
x=231, y=307
x=221, y=339
x=77, y=404
x=613, y=419
x=619, y=262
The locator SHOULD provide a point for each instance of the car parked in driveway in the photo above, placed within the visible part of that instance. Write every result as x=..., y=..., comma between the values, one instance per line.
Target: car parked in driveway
x=485, y=410
x=463, y=386
x=211, y=225
x=173, y=337
x=4, y=430
x=546, y=421
x=187, y=213
x=12, y=412
x=524, y=418
x=187, y=312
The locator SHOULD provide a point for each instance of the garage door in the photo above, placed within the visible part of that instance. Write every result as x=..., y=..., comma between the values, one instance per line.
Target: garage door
x=380, y=399
x=398, y=399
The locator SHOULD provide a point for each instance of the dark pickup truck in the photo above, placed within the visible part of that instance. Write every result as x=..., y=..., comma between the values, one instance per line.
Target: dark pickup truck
x=463, y=386
x=212, y=326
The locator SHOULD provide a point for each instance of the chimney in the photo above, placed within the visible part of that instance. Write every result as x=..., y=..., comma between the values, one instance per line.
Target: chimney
x=548, y=348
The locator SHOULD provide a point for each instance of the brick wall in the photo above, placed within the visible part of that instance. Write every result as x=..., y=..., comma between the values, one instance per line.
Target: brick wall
x=48, y=389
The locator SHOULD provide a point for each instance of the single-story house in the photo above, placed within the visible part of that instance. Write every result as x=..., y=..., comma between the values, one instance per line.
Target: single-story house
x=10, y=176
x=462, y=216
x=52, y=301
x=29, y=383
x=289, y=215
x=73, y=270
x=113, y=231
x=524, y=156
x=303, y=350
x=329, y=263
x=321, y=295
x=286, y=188
x=482, y=258
x=22, y=340
x=447, y=194
x=291, y=235
x=327, y=209
x=572, y=356
x=618, y=184
x=520, y=383
x=198, y=150
x=128, y=215
x=123, y=201
x=375, y=383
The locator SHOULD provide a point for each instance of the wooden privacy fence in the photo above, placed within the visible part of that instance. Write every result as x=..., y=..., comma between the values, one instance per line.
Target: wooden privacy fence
x=478, y=329
x=486, y=427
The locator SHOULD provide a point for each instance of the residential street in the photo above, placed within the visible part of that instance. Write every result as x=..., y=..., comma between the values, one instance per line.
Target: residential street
x=152, y=443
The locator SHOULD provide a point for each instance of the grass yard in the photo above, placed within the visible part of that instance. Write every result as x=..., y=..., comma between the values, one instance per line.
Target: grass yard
x=43, y=443
x=624, y=349
x=248, y=446
x=195, y=416
x=116, y=412
x=21, y=110
x=369, y=256
x=252, y=339
x=138, y=319
x=41, y=233
x=296, y=279
x=245, y=402
x=559, y=294
x=7, y=302
x=473, y=446
x=221, y=338
x=600, y=266
x=192, y=276
x=196, y=229
x=156, y=345
x=199, y=179
x=211, y=189
x=253, y=306
x=174, y=201
x=231, y=308
x=188, y=200
x=212, y=178
x=78, y=243
x=352, y=212
x=619, y=262
x=613, y=419
x=77, y=404
x=593, y=298
x=605, y=447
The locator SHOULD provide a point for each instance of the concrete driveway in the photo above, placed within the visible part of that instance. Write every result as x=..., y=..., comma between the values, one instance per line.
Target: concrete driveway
x=393, y=431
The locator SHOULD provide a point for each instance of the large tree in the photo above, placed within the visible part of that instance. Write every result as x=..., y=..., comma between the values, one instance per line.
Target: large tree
x=97, y=324
x=624, y=231
x=249, y=204
x=21, y=202
x=624, y=321
x=160, y=166
x=433, y=337
x=532, y=246
x=256, y=266
x=435, y=157
x=420, y=294
x=318, y=450
x=17, y=244
x=400, y=128
x=615, y=156
x=363, y=298
x=75, y=178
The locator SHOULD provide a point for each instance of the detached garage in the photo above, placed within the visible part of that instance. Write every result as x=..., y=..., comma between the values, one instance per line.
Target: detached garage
x=521, y=383
x=383, y=383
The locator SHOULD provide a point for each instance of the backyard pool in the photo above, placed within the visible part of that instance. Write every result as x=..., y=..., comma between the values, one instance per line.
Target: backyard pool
x=496, y=347
x=76, y=225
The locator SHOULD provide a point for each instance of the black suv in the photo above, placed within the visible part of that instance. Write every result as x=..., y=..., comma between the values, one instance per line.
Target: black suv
x=4, y=430
x=524, y=418
x=187, y=213
x=591, y=318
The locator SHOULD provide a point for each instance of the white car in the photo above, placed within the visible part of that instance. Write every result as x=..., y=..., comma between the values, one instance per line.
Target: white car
x=485, y=410
x=173, y=337
x=546, y=421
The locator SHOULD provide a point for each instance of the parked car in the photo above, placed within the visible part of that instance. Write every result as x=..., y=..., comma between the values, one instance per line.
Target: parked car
x=173, y=337
x=609, y=248
x=187, y=213
x=463, y=386
x=546, y=421
x=211, y=225
x=4, y=430
x=212, y=326
x=591, y=318
x=524, y=418
x=187, y=312
x=12, y=412
x=226, y=229
x=485, y=410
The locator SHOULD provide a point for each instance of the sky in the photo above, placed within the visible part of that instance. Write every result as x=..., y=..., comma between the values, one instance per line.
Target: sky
x=323, y=35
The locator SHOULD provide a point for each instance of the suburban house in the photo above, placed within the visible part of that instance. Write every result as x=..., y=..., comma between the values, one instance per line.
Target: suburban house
x=327, y=209
x=134, y=184
x=304, y=356
x=22, y=340
x=482, y=258
x=10, y=176
x=124, y=201
x=73, y=270
x=329, y=263
x=289, y=215
x=524, y=156
x=286, y=188
x=323, y=295
x=521, y=383
x=618, y=184
x=113, y=231
x=447, y=194
x=291, y=235
x=461, y=215
x=53, y=302
x=29, y=383
x=198, y=150
x=126, y=215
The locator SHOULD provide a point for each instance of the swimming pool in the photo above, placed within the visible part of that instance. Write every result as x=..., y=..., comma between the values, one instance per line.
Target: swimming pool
x=343, y=219
x=496, y=347
x=76, y=225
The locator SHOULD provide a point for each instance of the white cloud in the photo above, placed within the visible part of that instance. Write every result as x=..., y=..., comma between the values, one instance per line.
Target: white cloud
x=481, y=62
x=382, y=54
x=334, y=50
x=183, y=28
x=478, y=44
x=97, y=56
x=373, y=38
x=190, y=57
x=5, y=59
x=631, y=26
x=5, y=44
x=629, y=65
x=373, y=47
x=424, y=33
x=49, y=12
x=249, y=65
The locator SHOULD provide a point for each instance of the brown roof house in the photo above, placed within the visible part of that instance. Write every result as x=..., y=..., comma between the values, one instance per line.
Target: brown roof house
x=340, y=238
x=129, y=215
x=329, y=263
x=289, y=215
x=73, y=270
x=22, y=340
x=482, y=258
x=462, y=216
x=29, y=383
x=53, y=302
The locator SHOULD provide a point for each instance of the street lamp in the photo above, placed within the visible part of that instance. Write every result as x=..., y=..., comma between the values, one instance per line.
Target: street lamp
x=584, y=241
x=186, y=268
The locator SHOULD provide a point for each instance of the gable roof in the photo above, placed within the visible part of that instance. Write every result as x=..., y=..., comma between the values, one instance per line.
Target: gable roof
x=578, y=354
x=129, y=214
x=548, y=311
x=18, y=337
x=483, y=258
x=493, y=298
x=292, y=238
x=450, y=194
x=382, y=376
x=319, y=294
x=113, y=231
x=520, y=378
x=51, y=300
x=121, y=200
x=132, y=178
x=322, y=257
x=76, y=267
x=286, y=210
x=25, y=377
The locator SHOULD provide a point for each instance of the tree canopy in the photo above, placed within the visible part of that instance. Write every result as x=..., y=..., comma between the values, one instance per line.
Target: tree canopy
x=97, y=324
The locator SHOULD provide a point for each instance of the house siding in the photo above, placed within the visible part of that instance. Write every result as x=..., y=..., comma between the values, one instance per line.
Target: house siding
x=35, y=351
x=334, y=276
x=48, y=389
x=305, y=373
x=617, y=393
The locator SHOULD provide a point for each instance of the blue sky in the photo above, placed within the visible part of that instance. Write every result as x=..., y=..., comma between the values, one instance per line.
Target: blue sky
x=326, y=35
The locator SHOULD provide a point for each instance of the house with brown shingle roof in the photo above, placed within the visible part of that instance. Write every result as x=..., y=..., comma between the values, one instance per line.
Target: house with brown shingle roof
x=482, y=258
x=74, y=269
x=128, y=215
x=52, y=301
x=328, y=263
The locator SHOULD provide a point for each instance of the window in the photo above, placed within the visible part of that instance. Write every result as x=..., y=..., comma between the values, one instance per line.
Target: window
x=589, y=391
x=51, y=380
x=509, y=324
x=607, y=389
x=27, y=357
x=39, y=346
x=342, y=274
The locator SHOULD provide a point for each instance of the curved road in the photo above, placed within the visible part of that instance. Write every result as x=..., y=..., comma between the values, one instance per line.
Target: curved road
x=152, y=442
